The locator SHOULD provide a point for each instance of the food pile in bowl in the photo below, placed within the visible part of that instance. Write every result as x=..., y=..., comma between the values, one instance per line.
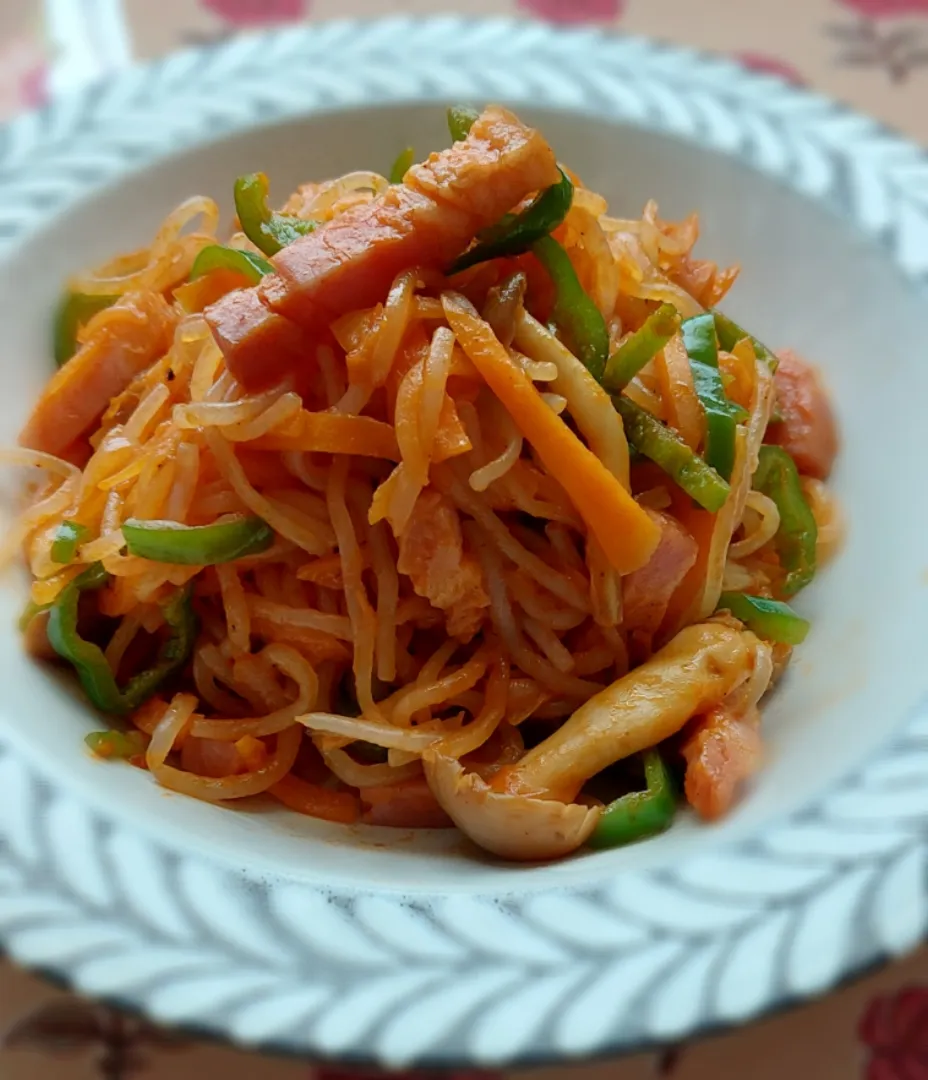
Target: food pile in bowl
x=438, y=498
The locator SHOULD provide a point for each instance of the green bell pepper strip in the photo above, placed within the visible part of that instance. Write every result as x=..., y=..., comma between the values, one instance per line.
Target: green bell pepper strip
x=265, y=228
x=182, y=621
x=116, y=744
x=730, y=333
x=29, y=612
x=460, y=120
x=514, y=234
x=778, y=478
x=218, y=257
x=640, y=347
x=73, y=311
x=769, y=619
x=197, y=545
x=89, y=660
x=67, y=536
x=402, y=165
x=665, y=448
x=574, y=314
x=639, y=814
x=722, y=415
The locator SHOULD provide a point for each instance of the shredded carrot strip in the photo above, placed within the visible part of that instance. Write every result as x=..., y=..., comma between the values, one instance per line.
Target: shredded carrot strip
x=625, y=532
x=678, y=392
x=332, y=433
x=316, y=645
x=316, y=801
x=738, y=367
x=451, y=438
x=252, y=751
x=325, y=571
x=194, y=296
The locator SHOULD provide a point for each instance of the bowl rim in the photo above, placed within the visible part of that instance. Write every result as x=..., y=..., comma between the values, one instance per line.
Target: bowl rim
x=546, y=940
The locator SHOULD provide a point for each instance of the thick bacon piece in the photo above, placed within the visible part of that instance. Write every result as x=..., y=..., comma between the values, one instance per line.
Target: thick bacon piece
x=808, y=431
x=646, y=592
x=722, y=752
x=350, y=262
x=119, y=343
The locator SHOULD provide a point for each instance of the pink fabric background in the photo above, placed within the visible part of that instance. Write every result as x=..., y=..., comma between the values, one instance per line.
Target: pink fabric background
x=871, y=53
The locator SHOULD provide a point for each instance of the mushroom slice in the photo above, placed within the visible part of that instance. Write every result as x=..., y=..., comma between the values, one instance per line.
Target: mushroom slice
x=511, y=826
x=692, y=673
x=526, y=811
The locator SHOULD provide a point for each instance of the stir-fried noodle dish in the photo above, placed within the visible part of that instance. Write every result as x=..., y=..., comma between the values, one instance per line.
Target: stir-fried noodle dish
x=443, y=498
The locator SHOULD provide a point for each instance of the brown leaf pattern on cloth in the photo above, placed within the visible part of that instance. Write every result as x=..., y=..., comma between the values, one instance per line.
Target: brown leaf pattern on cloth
x=118, y=1044
x=669, y=1061
x=899, y=47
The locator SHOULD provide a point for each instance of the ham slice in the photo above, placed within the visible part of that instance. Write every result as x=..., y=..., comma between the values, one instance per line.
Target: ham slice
x=432, y=555
x=808, y=431
x=119, y=344
x=351, y=261
x=722, y=751
x=646, y=593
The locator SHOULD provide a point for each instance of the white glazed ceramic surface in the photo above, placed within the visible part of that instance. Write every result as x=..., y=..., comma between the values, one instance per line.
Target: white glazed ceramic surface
x=275, y=929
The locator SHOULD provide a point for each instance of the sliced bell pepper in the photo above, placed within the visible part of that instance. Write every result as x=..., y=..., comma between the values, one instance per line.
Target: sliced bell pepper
x=778, y=478
x=116, y=744
x=67, y=537
x=730, y=333
x=667, y=449
x=73, y=311
x=639, y=814
x=219, y=257
x=402, y=165
x=89, y=660
x=574, y=314
x=29, y=612
x=197, y=545
x=514, y=234
x=265, y=228
x=769, y=619
x=640, y=347
x=461, y=119
x=722, y=415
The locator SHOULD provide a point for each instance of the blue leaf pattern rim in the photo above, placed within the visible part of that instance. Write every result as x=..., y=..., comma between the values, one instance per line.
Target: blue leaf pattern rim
x=549, y=975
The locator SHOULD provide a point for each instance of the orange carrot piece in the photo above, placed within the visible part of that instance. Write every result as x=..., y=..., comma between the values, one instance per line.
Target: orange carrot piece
x=194, y=296
x=325, y=571
x=738, y=371
x=316, y=801
x=252, y=751
x=332, y=433
x=684, y=410
x=625, y=532
x=451, y=439
x=316, y=645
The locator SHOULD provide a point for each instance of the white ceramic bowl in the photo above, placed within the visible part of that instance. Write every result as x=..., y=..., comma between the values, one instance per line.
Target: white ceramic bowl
x=275, y=929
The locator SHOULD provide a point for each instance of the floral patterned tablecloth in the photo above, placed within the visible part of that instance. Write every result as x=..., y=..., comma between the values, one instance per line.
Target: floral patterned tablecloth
x=871, y=53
